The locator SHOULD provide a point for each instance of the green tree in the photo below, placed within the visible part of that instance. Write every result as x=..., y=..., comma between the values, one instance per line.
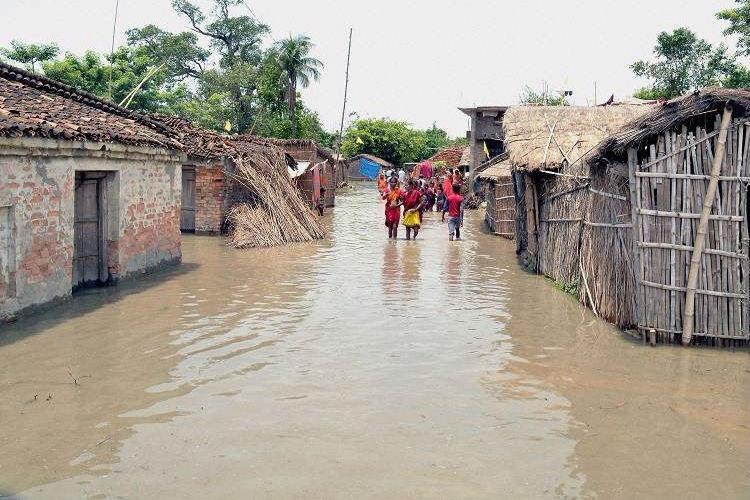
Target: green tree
x=128, y=67
x=682, y=62
x=29, y=54
x=392, y=140
x=435, y=140
x=739, y=24
x=237, y=39
x=180, y=52
x=297, y=67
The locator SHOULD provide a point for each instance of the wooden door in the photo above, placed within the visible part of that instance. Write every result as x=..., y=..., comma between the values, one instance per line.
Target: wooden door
x=668, y=187
x=187, y=213
x=88, y=229
x=7, y=253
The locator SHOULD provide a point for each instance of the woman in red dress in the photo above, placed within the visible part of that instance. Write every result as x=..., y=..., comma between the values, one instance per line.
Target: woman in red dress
x=393, y=201
x=413, y=200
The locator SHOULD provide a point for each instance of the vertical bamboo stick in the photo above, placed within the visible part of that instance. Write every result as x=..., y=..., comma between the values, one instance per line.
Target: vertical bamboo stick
x=637, y=235
x=672, y=254
x=688, y=321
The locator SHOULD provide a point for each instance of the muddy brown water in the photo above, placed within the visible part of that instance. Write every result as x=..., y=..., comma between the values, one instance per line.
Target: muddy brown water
x=358, y=367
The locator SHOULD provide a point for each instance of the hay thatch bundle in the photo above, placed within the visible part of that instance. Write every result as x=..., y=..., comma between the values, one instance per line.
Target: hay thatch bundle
x=546, y=136
x=271, y=211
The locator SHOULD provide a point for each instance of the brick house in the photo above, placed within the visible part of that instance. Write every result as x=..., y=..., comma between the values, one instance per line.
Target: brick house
x=89, y=191
x=208, y=190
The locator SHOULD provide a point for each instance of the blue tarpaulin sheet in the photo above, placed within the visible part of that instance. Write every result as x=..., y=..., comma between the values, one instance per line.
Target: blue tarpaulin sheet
x=368, y=168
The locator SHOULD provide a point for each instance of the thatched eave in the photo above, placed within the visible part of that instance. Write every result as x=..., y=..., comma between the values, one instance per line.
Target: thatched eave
x=668, y=116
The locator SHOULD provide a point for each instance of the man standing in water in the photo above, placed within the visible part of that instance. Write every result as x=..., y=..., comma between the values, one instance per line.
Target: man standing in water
x=454, y=205
x=393, y=202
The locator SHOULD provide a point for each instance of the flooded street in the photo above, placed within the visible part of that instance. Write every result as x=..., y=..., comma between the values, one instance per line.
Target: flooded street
x=358, y=367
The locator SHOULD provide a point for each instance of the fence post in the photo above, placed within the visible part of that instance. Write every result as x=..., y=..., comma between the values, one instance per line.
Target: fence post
x=688, y=318
x=635, y=233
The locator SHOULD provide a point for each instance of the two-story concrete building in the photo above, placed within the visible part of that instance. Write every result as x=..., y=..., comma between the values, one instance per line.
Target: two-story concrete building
x=485, y=134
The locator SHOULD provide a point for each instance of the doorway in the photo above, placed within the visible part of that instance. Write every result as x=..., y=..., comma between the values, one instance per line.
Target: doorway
x=187, y=212
x=89, y=260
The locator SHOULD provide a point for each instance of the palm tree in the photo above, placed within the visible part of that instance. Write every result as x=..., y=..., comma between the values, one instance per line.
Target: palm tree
x=297, y=68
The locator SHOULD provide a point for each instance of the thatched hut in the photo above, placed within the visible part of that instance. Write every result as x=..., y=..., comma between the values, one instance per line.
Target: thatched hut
x=241, y=186
x=648, y=261
x=545, y=146
x=317, y=167
x=500, y=214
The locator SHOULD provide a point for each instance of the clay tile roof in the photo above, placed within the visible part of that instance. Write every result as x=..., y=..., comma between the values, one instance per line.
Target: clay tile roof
x=206, y=144
x=35, y=106
x=450, y=156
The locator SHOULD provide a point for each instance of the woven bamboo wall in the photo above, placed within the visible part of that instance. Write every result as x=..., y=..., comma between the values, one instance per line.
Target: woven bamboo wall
x=562, y=202
x=501, y=207
x=608, y=279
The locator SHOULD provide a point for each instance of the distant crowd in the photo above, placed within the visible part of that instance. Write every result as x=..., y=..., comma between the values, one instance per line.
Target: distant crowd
x=425, y=189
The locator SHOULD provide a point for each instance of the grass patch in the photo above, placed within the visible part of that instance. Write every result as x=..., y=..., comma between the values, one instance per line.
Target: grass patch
x=569, y=288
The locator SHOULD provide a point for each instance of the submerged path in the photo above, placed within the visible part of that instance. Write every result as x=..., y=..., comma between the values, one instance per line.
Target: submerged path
x=358, y=367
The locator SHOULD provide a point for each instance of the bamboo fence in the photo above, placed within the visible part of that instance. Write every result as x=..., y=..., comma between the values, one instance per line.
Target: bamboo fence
x=500, y=214
x=668, y=190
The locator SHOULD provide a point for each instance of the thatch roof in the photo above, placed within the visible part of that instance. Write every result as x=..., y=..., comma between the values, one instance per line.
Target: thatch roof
x=466, y=157
x=497, y=171
x=666, y=116
x=308, y=144
x=545, y=137
x=206, y=144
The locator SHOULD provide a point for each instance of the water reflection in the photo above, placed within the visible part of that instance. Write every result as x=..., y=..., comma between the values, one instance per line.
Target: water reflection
x=361, y=367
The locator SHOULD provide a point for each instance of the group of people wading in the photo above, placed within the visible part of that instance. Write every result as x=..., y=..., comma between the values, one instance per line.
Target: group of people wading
x=422, y=191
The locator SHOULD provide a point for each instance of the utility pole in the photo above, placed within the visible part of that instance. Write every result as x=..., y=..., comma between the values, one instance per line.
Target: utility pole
x=346, y=89
x=112, y=48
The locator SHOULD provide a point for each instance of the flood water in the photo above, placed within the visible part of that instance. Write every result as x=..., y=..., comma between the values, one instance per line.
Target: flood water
x=358, y=367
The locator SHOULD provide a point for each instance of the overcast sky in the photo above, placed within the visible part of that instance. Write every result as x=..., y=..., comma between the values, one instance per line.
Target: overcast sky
x=416, y=60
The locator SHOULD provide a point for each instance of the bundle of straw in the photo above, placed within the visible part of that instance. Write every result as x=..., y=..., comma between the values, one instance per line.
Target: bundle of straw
x=272, y=211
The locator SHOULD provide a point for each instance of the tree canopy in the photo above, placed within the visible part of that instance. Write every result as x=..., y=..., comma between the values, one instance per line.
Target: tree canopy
x=683, y=62
x=392, y=140
x=217, y=72
x=29, y=54
x=739, y=24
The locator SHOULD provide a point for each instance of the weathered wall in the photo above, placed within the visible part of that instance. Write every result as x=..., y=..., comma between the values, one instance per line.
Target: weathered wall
x=149, y=210
x=210, y=198
x=37, y=186
x=37, y=198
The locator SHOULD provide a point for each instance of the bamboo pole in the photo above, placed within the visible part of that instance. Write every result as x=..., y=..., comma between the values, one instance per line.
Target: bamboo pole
x=689, y=316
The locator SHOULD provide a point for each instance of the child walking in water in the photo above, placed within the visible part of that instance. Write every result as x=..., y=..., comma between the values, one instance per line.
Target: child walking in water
x=454, y=205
